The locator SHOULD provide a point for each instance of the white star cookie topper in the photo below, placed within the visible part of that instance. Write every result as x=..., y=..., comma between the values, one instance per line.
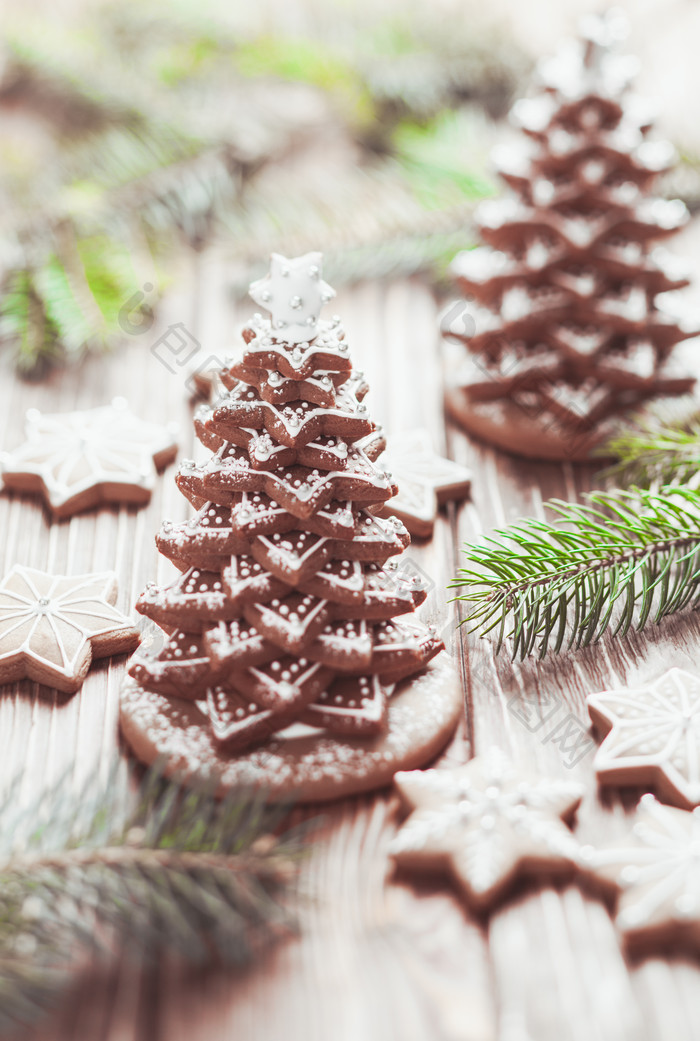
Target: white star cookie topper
x=486, y=824
x=605, y=29
x=52, y=626
x=656, y=873
x=653, y=736
x=293, y=292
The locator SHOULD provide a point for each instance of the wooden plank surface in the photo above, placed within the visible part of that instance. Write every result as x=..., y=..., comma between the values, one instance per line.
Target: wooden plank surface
x=378, y=957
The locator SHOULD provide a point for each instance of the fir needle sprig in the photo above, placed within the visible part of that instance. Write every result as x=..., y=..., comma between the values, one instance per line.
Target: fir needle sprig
x=180, y=870
x=159, y=134
x=655, y=454
x=618, y=560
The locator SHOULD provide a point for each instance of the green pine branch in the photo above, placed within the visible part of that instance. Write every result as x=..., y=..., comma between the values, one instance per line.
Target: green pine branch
x=655, y=454
x=137, y=166
x=25, y=322
x=135, y=172
x=66, y=303
x=153, y=146
x=178, y=869
x=64, y=291
x=398, y=235
x=621, y=559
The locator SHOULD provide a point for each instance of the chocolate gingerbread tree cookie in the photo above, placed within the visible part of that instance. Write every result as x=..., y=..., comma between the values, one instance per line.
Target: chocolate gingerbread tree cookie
x=291, y=657
x=568, y=331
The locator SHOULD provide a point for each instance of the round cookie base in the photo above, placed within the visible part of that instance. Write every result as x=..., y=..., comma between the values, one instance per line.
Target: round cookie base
x=508, y=427
x=423, y=714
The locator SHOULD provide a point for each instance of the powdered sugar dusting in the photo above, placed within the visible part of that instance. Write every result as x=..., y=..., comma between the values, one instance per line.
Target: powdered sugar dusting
x=309, y=766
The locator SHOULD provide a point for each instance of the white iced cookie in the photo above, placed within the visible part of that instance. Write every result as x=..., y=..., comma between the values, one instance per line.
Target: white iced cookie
x=52, y=626
x=78, y=460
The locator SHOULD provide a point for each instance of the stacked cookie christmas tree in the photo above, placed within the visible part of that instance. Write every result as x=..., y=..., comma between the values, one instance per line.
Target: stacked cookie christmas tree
x=568, y=332
x=288, y=609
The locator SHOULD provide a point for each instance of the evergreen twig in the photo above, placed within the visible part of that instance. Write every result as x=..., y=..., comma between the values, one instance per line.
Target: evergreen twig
x=655, y=454
x=152, y=142
x=398, y=235
x=179, y=869
x=620, y=559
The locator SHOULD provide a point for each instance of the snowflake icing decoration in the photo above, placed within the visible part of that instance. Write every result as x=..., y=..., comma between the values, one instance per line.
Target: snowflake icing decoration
x=426, y=480
x=79, y=459
x=52, y=626
x=486, y=825
x=653, y=736
x=657, y=875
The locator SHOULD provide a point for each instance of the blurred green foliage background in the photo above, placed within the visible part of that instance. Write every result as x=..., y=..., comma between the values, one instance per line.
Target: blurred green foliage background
x=131, y=132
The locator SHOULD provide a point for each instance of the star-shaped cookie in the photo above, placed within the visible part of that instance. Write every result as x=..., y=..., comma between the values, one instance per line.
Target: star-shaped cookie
x=656, y=874
x=52, y=626
x=426, y=481
x=486, y=825
x=293, y=292
x=653, y=736
x=296, y=423
x=80, y=459
x=327, y=350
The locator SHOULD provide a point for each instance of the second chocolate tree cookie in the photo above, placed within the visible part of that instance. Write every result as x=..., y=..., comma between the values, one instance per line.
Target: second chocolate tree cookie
x=292, y=658
x=569, y=330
